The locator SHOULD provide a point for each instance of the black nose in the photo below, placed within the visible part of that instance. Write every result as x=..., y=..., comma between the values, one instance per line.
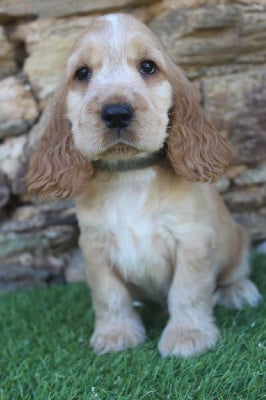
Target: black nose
x=117, y=115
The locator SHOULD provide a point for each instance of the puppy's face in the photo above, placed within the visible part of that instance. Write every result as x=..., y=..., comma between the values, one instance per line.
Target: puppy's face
x=113, y=103
x=119, y=94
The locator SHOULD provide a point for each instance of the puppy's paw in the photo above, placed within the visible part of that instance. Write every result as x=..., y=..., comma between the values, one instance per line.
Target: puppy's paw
x=186, y=341
x=113, y=336
x=238, y=295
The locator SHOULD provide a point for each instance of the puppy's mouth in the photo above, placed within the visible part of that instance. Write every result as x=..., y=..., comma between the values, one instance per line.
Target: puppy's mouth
x=118, y=151
x=121, y=158
x=123, y=154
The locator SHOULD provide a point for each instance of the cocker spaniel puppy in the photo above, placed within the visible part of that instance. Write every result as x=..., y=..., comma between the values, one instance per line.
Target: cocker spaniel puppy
x=129, y=141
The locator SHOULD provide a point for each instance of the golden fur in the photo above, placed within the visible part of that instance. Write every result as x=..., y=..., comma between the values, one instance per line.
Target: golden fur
x=160, y=232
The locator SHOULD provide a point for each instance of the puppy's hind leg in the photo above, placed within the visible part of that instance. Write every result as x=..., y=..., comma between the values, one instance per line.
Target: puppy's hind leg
x=235, y=289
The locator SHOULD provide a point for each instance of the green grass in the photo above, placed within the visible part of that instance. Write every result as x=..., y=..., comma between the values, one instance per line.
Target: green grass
x=44, y=353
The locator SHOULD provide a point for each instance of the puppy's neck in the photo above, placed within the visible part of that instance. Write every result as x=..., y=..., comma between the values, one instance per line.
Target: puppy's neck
x=130, y=164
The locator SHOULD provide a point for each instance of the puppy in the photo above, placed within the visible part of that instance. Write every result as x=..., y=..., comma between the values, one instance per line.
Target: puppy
x=129, y=141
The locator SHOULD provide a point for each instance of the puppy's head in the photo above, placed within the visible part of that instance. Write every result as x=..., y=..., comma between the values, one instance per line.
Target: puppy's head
x=122, y=98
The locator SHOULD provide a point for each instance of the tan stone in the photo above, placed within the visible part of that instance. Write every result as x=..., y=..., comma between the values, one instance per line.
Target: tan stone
x=210, y=37
x=253, y=36
x=255, y=222
x=252, y=176
x=37, y=131
x=186, y=3
x=61, y=8
x=147, y=13
x=31, y=33
x=234, y=170
x=4, y=192
x=246, y=200
x=54, y=45
x=199, y=37
x=75, y=271
x=11, y=154
x=259, y=4
x=7, y=63
x=236, y=104
x=29, y=146
x=223, y=184
x=18, y=108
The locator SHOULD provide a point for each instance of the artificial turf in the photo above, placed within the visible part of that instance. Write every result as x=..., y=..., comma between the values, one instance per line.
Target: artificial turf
x=44, y=352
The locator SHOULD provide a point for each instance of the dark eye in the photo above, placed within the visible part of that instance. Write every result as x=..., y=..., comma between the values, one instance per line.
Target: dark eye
x=83, y=74
x=148, y=67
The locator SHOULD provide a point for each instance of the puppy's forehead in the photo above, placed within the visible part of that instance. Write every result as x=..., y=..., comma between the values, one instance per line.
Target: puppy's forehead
x=116, y=25
x=113, y=34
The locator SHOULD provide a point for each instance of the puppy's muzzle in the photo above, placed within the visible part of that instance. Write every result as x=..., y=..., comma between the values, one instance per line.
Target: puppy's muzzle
x=116, y=116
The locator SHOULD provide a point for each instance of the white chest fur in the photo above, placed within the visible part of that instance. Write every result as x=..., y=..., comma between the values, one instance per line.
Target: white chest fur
x=134, y=234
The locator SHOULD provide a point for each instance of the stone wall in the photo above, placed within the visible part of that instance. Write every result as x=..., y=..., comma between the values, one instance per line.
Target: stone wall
x=221, y=45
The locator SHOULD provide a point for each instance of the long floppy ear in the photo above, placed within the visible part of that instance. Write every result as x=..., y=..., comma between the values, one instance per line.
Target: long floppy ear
x=57, y=169
x=196, y=151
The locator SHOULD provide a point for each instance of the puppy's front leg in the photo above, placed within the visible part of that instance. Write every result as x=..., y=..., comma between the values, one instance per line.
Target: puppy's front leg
x=117, y=325
x=191, y=329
